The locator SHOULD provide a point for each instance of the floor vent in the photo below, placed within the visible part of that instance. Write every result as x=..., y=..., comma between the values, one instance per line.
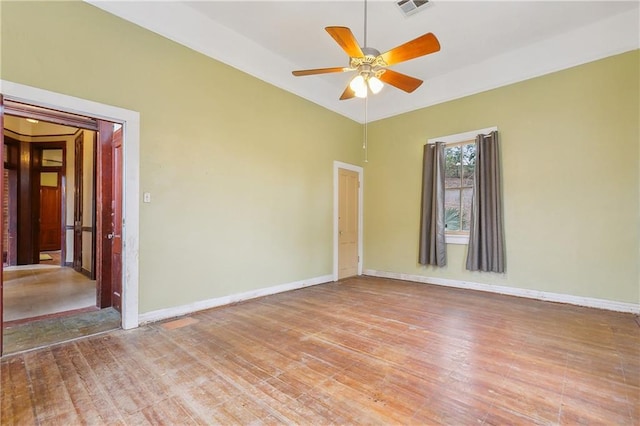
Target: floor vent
x=409, y=7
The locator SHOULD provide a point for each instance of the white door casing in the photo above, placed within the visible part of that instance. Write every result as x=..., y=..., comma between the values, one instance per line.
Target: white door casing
x=131, y=175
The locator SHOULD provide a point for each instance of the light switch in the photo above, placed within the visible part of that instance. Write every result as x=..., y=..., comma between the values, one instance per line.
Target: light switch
x=146, y=197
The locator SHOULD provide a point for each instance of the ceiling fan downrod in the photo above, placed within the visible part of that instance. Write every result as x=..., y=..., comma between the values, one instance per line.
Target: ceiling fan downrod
x=365, y=23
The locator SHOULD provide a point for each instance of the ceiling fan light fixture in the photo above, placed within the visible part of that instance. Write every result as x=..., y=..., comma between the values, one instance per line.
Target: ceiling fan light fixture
x=359, y=86
x=375, y=85
x=361, y=93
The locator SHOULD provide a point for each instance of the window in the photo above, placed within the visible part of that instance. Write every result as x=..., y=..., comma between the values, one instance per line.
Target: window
x=460, y=162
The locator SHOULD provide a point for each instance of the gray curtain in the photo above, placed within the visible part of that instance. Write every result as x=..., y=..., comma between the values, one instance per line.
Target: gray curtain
x=432, y=242
x=486, y=235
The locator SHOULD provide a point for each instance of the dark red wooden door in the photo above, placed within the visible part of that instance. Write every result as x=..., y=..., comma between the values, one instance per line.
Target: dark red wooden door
x=104, y=196
x=1, y=215
x=109, y=216
x=116, y=249
x=50, y=216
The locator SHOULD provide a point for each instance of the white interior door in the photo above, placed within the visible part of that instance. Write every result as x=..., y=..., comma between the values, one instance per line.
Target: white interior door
x=348, y=207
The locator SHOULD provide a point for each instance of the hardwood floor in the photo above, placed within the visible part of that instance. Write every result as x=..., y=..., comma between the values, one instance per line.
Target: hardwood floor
x=362, y=351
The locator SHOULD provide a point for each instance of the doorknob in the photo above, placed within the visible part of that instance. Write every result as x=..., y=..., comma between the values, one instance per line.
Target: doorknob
x=339, y=232
x=110, y=235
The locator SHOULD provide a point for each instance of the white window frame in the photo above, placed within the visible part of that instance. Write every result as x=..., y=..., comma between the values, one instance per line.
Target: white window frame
x=460, y=237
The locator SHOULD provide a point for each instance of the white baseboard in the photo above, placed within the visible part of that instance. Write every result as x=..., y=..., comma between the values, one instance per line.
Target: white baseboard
x=590, y=302
x=177, y=311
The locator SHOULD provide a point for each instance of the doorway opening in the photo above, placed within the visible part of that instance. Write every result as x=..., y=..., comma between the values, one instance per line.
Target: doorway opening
x=59, y=170
x=79, y=109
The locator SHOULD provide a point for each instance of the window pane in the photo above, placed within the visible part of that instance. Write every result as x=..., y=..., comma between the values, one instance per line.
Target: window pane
x=468, y=164
x=52, y=158
x=467, y=199
x=452, y=166
x=452, y=209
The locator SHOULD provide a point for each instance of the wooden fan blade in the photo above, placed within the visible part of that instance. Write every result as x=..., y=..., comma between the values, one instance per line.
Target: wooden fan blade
x=320, y=71
x=401, y=81
x=344, y=37
x=347, y=94
x=423, y=45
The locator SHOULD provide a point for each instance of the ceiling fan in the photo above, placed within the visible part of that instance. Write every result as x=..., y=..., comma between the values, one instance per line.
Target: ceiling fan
x=371, y=65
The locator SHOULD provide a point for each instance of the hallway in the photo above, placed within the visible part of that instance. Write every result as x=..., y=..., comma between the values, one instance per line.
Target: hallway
x=42, y=290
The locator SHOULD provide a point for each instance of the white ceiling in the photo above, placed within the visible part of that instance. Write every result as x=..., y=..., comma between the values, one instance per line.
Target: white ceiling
x=484, y=44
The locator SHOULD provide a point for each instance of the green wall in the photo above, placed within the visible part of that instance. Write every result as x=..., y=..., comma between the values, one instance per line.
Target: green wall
x=241, y=172
x=570, y=180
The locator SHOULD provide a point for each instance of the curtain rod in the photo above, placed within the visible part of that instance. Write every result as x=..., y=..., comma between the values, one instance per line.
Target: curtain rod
x=460, y=137
x=460, y=141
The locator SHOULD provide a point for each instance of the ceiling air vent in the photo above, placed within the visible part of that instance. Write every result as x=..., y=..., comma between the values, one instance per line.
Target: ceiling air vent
x=409, y=7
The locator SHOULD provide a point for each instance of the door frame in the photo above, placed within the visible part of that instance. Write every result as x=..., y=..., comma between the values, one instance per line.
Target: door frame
x=12, y=160
x=78, y=204
x=130, y=121
x=336, y=166
x=35, y=169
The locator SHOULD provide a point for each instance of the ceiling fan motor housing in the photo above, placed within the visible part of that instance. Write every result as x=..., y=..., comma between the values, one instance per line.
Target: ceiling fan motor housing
x=371, y=64
x=370, y=51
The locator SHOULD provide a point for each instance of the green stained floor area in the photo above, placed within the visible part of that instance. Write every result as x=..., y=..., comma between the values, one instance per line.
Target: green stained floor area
x=44, y=332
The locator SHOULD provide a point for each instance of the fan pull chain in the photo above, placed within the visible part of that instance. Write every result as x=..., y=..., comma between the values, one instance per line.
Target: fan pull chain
x=365, y=143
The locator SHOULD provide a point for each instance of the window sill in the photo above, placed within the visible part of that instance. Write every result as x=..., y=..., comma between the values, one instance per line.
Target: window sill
x=456, y=239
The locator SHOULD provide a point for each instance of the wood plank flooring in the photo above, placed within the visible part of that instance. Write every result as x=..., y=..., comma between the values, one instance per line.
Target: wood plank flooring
x=361, y=351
